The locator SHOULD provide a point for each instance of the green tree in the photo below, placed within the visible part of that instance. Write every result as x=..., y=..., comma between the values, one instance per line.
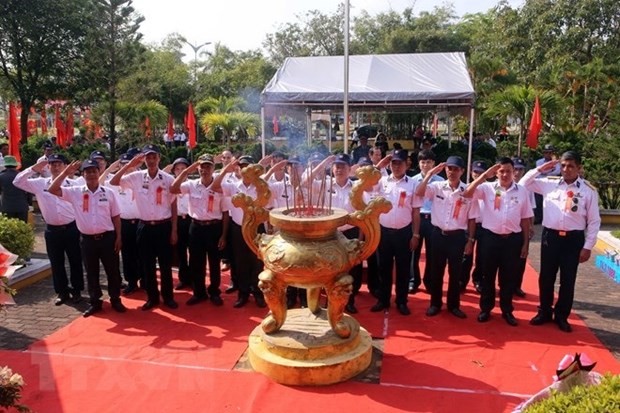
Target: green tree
x=113, y=51
x=39, y=41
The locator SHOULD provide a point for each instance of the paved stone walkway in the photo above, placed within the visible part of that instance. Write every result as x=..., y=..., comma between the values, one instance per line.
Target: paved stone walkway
x=597, y=301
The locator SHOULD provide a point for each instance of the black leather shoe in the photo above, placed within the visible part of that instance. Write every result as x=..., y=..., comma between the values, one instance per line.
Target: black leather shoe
x=193, y=300
x=520, y=293
x=457, y=312
x=484, y=316
x=131, y=288
x=380, y=306
x=403, y=309
x=510, y=319
x=231, y=289
x=61, y=299
x=217, y=300
x=149, y=304
x=478, y=288
x=564, y=326
x=118, y=306
x=171, y=304
x=540, y=319
x=433, y=311
x=414, y=289
x=350, y=308
x=182, y=286
x=76, y=296
x=260, y=301
x=92, y=309
x=241, y=301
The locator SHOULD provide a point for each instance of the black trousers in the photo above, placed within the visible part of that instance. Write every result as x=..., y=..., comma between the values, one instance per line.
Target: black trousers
x=446, y=249
x=246, y=266
x=468, y=260
x=520, y=272
x=101, y=248
x=355, y=272
x=22, y=215
x=538, y=211
x=426, y=230
x=501, y=259
x=61, y=240
x=180, y=257
x=154, y=246
x=394, y=251
x=373, y=278
x=559, y=251
x=203, y=240
x=132, y=270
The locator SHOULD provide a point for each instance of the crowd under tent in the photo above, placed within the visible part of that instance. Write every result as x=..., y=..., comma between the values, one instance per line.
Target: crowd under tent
x=432, y=82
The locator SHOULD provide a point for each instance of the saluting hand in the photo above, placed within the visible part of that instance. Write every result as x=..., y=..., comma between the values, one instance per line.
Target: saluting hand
x=548, y=166
x=437, y=169
x=38, y=167
x=492, y=171
x=137, y=160
x=72, y=168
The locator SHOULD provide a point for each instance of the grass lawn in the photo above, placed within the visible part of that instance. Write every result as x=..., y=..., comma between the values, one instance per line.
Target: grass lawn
x=616, y=233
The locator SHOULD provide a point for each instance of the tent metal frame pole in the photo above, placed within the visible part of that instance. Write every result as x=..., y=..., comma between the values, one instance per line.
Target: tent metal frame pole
x=471, y=140
x=262, y=128
x=346, y=77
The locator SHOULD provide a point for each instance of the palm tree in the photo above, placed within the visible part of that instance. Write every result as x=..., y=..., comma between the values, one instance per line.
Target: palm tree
x=224, y=114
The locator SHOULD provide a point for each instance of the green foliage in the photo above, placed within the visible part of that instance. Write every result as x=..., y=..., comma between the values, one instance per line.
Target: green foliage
x=602, y=398
x=16, y=236
x=616, y=233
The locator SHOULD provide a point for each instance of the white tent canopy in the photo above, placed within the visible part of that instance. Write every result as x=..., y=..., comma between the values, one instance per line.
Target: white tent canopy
x=391, y=82
x=412, y=80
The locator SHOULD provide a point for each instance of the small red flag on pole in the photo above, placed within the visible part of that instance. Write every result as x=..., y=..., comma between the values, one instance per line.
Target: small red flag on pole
x=43, y=122
x=170, y=129
x=276, y=126
x=60, y=128
x=535, y=126
x=591, y=123
x=191, y=126
x=14, y=133
x=69, y=131
x=147, y=127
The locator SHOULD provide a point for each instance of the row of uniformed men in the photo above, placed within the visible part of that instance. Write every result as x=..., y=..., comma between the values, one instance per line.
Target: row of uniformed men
x=505, y=226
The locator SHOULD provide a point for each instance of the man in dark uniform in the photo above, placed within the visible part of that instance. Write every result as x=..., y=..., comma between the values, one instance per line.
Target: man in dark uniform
x=570, y=224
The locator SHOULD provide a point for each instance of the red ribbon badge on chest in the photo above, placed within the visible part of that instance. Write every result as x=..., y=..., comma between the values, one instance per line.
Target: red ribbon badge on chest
x=569, y=198
x=85, y=199
x=457, y=208
x=498, y=200
x=401, y=199
x=159, y=195
x=210, y=203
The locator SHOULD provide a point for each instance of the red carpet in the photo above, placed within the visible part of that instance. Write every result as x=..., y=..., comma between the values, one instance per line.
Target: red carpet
x=182, y=360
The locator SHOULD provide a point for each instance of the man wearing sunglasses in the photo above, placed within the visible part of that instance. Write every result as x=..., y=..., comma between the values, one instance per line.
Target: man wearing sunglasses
x=570, y=224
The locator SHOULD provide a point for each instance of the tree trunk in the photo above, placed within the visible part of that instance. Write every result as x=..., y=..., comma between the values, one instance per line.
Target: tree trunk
x=23, y=122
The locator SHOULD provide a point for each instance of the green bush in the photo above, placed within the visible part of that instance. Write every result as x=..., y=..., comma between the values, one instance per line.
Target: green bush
x=602, y=398
x=16, y=236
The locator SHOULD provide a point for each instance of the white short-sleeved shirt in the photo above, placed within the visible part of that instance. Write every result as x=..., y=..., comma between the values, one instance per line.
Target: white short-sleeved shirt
x=93, y=210
x=55, y=211
x=426, y=203
x=568, y=207
x=126, y=202
x=230, y=189
x=503, y=208
x=152, y=195
x=400, y=192
x=204, y=204
x=450, y=210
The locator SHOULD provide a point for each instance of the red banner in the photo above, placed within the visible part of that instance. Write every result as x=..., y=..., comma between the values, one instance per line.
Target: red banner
x=191, y=126
x=14, y=132
x=535, y=126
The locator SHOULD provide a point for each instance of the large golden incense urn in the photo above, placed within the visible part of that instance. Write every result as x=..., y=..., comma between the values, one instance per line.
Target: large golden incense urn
x=306, y=250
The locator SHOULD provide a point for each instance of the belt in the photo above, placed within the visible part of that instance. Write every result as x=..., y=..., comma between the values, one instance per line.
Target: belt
x=182, y=216
x=60, y=227
x=425, y=216
x=131, y=221
x=206, y=222
x=502, y=235
x=395, y=229
x=161, y=221
x=451, y=232
x=96, y=237
x=564, y=233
